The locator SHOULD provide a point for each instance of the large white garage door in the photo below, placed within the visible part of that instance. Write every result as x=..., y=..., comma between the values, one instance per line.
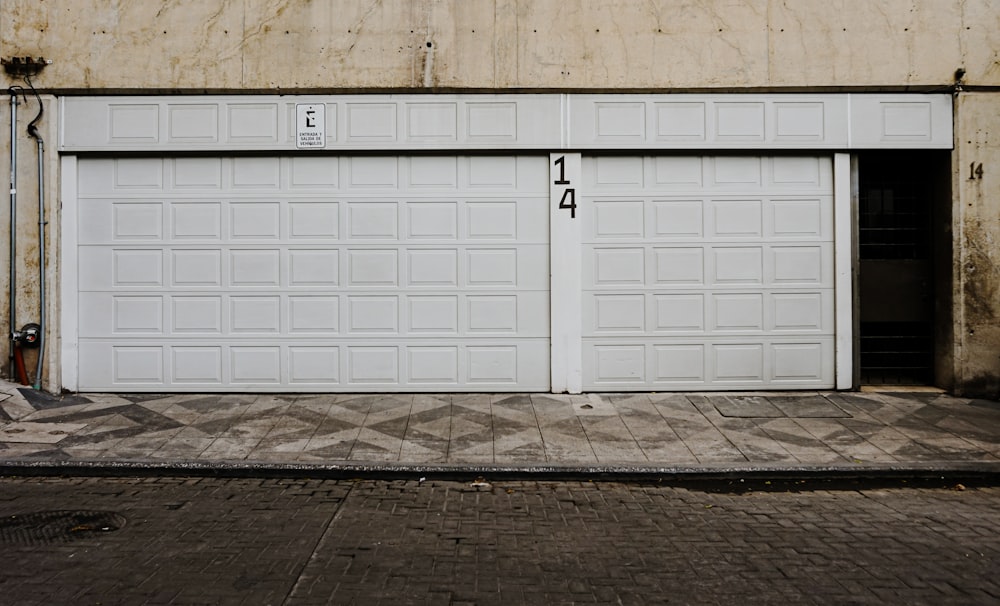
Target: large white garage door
x=707, y=273
x=313, y=273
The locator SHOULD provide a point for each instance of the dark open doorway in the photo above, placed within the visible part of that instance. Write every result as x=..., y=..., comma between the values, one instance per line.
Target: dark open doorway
x=904, y=250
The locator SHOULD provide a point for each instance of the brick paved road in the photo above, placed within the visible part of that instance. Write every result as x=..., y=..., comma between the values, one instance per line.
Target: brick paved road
x=242, y=541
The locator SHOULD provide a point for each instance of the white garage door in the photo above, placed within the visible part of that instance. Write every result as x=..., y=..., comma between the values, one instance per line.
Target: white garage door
x=313, y=273
x=707, y=273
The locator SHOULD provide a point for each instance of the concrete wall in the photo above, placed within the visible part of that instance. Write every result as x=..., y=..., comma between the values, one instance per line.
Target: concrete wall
x=192, y=46
x=977, y=238
x=109, y=45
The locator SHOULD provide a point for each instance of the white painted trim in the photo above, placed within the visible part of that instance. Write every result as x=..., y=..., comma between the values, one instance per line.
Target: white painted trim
x=844, y=299
x=400, y=123
x=566, y=283
x=69, y=293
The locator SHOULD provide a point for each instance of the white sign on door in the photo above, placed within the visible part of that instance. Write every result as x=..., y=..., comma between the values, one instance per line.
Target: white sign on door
x=310, y=125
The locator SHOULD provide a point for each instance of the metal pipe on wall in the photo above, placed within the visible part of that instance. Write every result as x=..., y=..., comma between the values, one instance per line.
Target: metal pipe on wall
x=33, y=131
x=13, y=225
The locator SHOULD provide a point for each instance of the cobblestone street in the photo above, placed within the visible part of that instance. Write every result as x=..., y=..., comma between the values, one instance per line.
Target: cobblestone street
x=253, y=541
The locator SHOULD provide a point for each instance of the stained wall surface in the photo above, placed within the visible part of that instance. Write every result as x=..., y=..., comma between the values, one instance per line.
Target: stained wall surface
x=358, y=46
x=503, y=44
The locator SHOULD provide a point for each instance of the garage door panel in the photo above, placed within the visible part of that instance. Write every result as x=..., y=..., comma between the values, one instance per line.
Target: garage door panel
x=707, y=273
x=367, y=273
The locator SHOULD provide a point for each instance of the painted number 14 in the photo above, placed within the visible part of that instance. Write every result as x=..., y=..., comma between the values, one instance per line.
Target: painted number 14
x=568, y=200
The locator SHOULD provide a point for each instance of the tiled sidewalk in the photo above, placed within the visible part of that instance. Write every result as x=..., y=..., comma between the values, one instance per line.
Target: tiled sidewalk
x=641, y=431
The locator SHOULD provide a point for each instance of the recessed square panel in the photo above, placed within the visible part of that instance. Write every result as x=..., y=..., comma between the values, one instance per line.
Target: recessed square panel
x=256, y=173
x=372, y=267
x=680, y=121
x=137, y=364
x=373, y=365
x=255, y=364
x=196, y=315
x=313, y=220
x=196, y=364
x=137, y=267
x=313, y=314
x=678, y=218
x=432, y=121
x=313, y=267
x=193, y=123
x=618, y=219
x=134, y=123
x=257, y=122
x=365, y=172
x=254, y=220
x=739, y=362
x=492, y=364
x=798, y=264
x=679, y=363
x=619, y=170
x=373, y=315
x=798, y=311
x=798, y=121
x=255, y=267
x=801, y=171
x=196, y=220
x=680, y=313
x=197, y=173
x=798, y=361
x=738, y=312
x=619, y=313
x=619, y=363
x=137, y=315
x=492, y=171
x=492, y=267
x=433, y=314
x=137, y=221
x=138, y=173
x=432, y=220
x=679, y=172
x=429, y=267
x=797, y=218
x=619, y=266
x=493, y=314
x=679, y=265
x=197, y=267
x=492, y=220
x=738, y=265
x=255, y=314
x=737, y=170
x=737, y=218
x=620, y=120
x=309, y=172
x=371, y=121
x=372, y=220
x=739, y=121
x=432, y=365
x=314, y=364
x=909, y=120
x=434, y=171
x=492, y=120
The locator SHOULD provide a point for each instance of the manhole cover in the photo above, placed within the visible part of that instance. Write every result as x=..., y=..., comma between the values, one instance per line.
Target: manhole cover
x=57, y=526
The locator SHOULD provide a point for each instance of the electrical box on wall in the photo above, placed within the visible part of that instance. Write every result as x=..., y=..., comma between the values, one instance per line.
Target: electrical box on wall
x=24, y=66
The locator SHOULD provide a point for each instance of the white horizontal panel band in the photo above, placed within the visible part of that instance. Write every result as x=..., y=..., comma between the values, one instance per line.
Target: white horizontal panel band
x=391, y=123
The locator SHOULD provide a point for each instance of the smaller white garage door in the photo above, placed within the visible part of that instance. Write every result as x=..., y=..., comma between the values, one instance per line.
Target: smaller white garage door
x=708, y=273
x=313, y=273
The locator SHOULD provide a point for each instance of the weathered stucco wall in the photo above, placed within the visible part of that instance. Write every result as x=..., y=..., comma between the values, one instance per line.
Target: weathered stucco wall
x=227, y=45
x=977, y=229
x=192, y=46
x=27, y=261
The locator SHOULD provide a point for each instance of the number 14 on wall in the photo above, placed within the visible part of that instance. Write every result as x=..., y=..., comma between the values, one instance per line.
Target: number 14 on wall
x=564, y=172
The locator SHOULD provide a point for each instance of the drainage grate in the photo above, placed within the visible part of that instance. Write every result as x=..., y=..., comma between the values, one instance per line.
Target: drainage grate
x=57, y=526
